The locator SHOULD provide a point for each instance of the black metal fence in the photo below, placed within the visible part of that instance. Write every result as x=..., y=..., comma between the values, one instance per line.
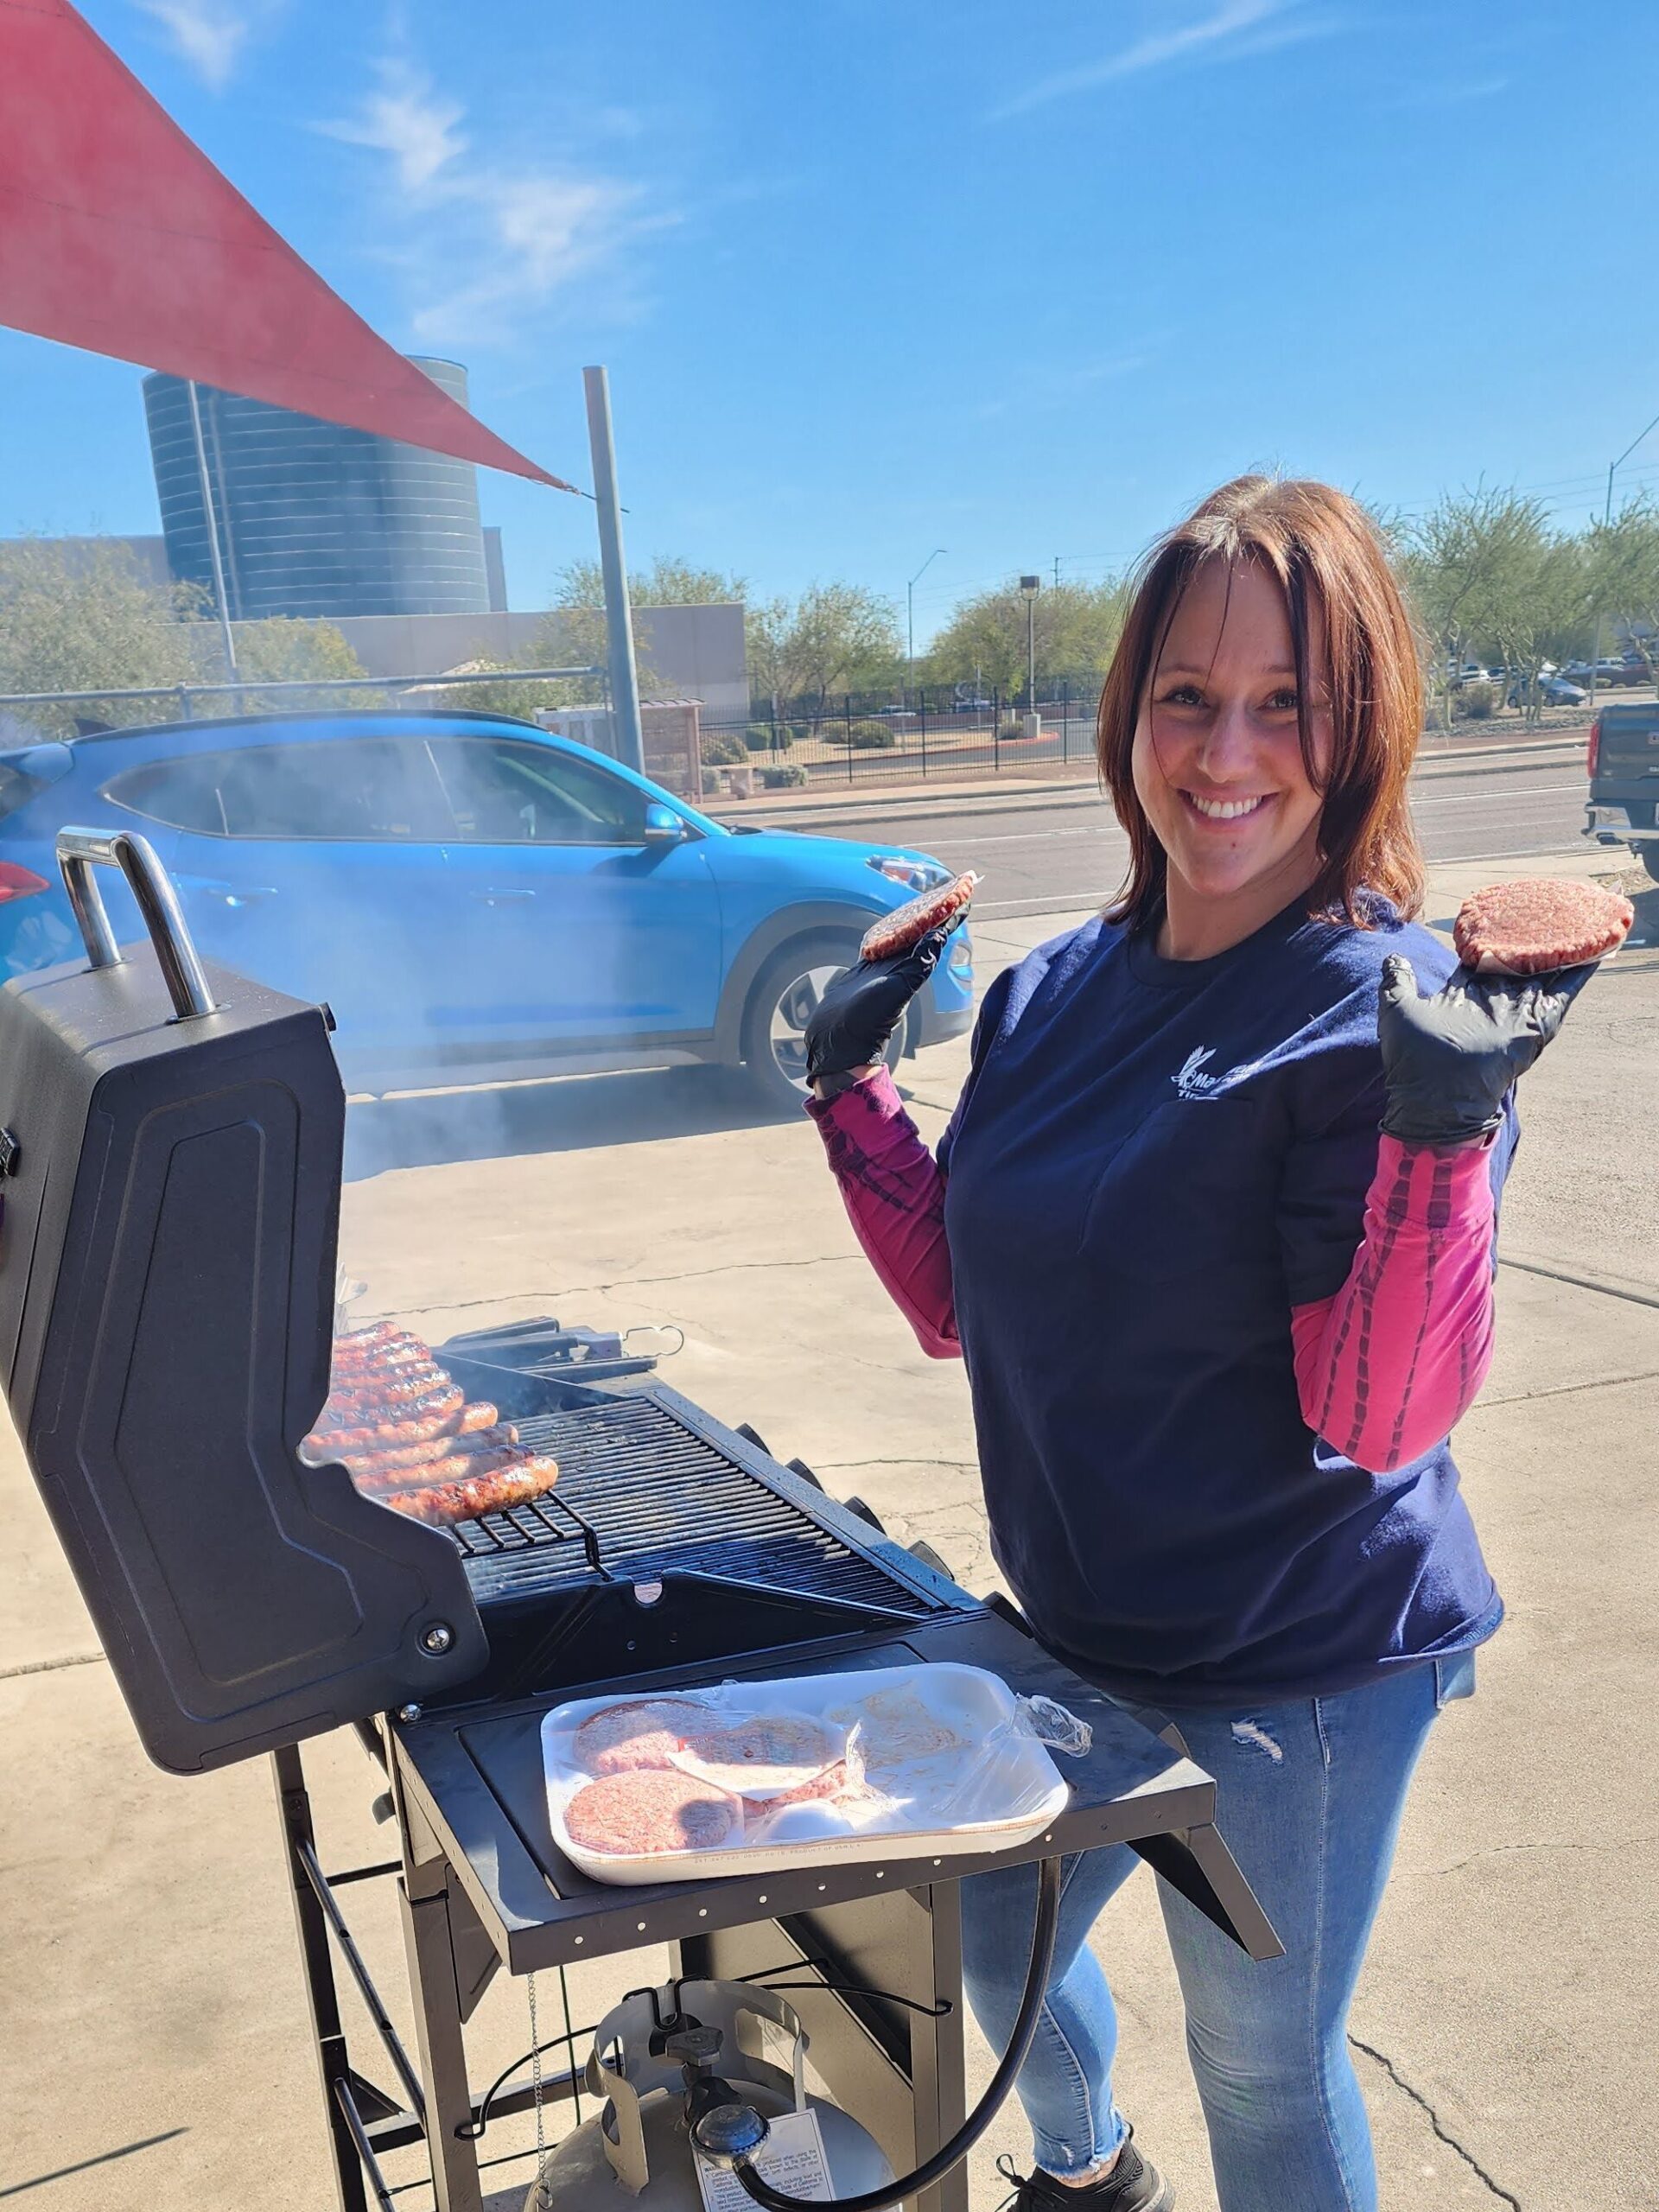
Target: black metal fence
x=855, y=738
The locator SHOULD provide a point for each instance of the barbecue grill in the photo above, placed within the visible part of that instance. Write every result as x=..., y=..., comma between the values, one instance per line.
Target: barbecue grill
x=170, y=1152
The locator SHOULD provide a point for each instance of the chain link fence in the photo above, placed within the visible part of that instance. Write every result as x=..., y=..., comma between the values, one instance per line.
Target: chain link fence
x=857, y=738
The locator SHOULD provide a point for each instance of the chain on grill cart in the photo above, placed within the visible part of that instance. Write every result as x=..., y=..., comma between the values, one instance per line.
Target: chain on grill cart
x=170, y=1163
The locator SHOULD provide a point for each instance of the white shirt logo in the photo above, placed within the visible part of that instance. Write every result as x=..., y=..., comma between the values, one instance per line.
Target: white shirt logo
x=1190, y=1081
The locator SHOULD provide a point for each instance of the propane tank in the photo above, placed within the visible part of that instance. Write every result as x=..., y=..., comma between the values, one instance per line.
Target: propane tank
x=659, y=2058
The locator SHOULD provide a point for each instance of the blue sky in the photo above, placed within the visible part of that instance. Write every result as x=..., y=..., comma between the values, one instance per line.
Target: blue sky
x=876, y=275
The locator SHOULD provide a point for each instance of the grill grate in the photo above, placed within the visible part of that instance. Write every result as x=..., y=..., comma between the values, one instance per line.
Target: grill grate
x=641, y=1493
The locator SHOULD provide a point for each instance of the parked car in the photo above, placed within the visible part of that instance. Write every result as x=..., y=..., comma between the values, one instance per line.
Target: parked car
x=1622, y=764
x=476, y=899
x=1556, y=691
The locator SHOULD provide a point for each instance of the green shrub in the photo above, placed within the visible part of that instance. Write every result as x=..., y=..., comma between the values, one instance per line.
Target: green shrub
x=778, y=780
x=1477, y=702
x=720, y=751
x=870, y=736
x=761, y=737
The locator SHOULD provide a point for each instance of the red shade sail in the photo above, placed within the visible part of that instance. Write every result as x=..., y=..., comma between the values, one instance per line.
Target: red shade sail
x=118, y=234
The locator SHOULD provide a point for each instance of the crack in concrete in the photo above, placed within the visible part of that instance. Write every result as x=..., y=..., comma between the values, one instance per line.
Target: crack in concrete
x=1565, y=1389
x=902, y=1459
x=1451, y=2142
x=51, y=1666
x=1492, y=1850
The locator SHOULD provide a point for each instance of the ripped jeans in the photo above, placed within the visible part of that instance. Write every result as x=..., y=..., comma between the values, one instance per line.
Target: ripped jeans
x=1308, y=1798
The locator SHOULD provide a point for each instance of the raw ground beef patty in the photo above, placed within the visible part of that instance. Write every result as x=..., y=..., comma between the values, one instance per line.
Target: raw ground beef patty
x=641, y=1734
x=1540, y=924
x=762, y=1758
x=910, y=924
x=652, y=1809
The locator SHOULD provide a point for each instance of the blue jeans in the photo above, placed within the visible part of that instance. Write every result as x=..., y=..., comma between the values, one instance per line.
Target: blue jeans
x=1308, y=1798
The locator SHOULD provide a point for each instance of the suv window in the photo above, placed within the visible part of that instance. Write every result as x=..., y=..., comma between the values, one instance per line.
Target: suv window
x=506, y=791
x=376, y=788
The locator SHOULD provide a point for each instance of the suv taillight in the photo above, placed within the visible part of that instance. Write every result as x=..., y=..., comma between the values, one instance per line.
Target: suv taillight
x=19, y=882
x=1592, y=751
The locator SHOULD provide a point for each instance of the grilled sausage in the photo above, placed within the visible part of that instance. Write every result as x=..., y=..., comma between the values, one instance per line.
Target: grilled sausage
x=438, y=1413
x=527, y=1475
x=383, y=1390
x=404, y=1465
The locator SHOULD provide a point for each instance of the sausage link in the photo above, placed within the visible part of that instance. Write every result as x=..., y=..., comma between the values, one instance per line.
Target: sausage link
x=531, y=1475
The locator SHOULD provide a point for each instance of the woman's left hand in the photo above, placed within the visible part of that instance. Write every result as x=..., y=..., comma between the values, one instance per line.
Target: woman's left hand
x=1449, y=1060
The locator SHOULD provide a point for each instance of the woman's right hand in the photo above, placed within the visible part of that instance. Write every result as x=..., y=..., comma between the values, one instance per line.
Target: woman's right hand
x=852, y=1026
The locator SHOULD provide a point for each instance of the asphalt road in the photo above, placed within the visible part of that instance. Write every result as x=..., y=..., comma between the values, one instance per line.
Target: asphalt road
x=1043, y=853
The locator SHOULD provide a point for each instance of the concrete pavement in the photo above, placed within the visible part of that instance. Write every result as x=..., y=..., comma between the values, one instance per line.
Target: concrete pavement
x=150, y=2000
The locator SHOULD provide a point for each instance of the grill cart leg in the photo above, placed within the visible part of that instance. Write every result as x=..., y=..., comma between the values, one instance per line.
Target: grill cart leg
x=899, y=2072
x=432, y=1979
x=328, y=2035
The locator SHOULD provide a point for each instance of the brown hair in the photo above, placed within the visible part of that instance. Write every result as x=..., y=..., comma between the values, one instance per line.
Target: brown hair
x=1319, y=544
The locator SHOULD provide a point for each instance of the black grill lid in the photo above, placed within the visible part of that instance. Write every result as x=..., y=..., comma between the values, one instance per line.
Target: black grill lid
x=167, y=1274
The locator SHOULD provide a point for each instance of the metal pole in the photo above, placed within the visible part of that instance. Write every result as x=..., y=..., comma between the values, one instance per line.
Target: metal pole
x=1607, y=523
x=211, y=520
x=619, y=621
x=1031, y=653
x=910, y=611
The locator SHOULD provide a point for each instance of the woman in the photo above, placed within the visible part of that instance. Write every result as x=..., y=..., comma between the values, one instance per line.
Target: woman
x=1211, y=1228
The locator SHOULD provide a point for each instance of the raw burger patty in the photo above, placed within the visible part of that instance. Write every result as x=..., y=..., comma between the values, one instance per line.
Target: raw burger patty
x=1530, y=927
x=628, y=1737
x=894, y=1726
x=844, y=1783
x=909, y=924
x=652, y=1809
x=764, y=1758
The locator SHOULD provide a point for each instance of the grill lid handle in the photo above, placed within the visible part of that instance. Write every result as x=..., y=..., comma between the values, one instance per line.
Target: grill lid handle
x=78, y=851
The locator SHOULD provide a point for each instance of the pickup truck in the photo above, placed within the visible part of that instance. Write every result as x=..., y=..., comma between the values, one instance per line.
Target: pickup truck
x=1623, y=761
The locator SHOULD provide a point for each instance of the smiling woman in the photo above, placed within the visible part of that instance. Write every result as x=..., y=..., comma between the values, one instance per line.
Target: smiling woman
x=1211, y=1229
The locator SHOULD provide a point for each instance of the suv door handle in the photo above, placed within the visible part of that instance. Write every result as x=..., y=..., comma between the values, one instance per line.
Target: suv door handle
x=492, y=898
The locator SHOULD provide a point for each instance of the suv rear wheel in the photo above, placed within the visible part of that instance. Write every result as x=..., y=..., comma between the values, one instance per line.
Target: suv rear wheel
x=1649, y=851
x=785, y=995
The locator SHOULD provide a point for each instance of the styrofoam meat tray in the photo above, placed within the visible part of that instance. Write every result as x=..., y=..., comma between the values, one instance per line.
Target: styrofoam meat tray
x=997, y=1786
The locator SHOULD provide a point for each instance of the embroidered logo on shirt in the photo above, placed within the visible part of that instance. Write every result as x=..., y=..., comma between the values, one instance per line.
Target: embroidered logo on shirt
x=1190, y=1081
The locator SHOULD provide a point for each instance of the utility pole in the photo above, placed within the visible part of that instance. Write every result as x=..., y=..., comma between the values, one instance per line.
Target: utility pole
x=618, y=618
x=1607, y=523
x=208, y=516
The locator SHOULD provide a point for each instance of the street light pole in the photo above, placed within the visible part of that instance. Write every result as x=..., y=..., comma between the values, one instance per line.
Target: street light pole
x=1607, y=523
x=910, y=610
x=1030, y=585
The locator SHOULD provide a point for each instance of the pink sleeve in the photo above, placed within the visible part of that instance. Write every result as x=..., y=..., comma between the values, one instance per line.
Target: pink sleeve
x=1390, y=1364
x=894, y=1195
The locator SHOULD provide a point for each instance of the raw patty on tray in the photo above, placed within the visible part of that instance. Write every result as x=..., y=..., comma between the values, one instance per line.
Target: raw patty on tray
x=766, y=1756
x=625, y=1738
x=908, y=924
x=652, y=1809
x=1538, y=924
x=894, y=1727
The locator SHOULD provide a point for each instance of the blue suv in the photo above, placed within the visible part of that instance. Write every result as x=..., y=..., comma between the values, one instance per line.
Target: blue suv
x=476, y=899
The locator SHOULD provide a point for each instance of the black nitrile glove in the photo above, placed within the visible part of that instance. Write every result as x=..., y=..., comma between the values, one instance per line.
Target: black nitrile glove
x=853, y=1023
x=1449, y=1060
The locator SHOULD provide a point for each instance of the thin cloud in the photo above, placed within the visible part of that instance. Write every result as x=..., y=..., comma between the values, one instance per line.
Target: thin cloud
x=1451, y=95
x=485, y=239
x=209, y=35
x=1227, y=30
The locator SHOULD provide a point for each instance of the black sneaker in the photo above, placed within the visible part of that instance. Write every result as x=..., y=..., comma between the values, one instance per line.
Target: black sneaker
x=1134, y=2184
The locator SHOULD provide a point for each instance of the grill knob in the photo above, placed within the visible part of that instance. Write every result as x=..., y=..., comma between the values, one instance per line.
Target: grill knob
x=437, y=1637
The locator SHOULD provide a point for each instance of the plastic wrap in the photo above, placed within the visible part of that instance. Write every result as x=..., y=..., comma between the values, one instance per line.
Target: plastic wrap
x=895, y=1761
